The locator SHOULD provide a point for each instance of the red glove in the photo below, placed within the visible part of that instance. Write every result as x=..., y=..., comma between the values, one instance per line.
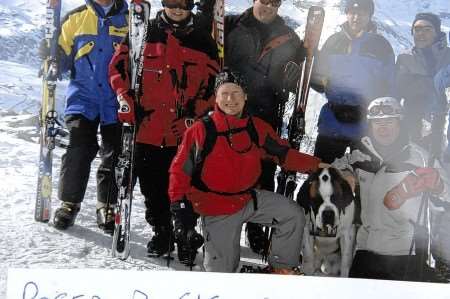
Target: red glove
x=126, y=109
x=179, y=126
x=421, y=180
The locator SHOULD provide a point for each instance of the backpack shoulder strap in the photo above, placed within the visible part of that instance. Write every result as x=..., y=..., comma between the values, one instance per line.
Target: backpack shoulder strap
x=210, y=136
x=251, y=129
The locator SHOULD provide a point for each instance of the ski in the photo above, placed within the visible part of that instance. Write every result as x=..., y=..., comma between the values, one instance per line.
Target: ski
x=48, y=122
x=218, y=30
x=139, y=14
x=287, y=181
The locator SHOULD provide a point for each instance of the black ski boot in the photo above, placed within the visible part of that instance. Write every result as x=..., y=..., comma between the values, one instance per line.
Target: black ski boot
x=257, y=240
x=105, y=219
x=65, y=215
x=187, y=249
x=162, y=241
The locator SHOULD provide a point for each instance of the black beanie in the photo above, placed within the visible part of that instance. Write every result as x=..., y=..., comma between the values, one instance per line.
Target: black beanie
x=228, y=76
x=365, y=5
x=430, y=17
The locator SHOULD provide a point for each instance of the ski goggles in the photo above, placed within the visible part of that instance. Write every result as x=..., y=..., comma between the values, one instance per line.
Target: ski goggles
x=382, y=111
x=181, y=4
x=273, y=3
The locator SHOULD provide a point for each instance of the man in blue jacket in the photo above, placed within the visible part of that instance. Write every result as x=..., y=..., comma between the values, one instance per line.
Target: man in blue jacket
x=354, y=66
x=86, y=43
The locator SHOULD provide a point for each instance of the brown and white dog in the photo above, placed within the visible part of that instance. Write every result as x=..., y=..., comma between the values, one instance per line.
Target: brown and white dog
x=329, y=235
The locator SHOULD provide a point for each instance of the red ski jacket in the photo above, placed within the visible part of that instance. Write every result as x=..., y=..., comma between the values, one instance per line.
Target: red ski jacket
x=178, y=76
x=232, y=168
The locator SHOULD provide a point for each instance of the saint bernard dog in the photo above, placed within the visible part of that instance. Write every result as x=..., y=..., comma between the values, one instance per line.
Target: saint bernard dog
x=329, y=235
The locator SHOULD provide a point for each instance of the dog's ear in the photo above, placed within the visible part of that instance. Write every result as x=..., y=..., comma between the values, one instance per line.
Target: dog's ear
x=336, y=181
x=304, y=195
x=342, y=192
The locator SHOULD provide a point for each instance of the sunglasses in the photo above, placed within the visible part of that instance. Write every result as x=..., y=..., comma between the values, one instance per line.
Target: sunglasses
x=382, y=110
x=273, y=3
x=172, y=4
x=423, y=29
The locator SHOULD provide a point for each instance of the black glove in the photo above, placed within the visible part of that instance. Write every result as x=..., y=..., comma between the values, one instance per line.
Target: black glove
x=183, y=215
x=43, y=50
x=292, y=73
x=187, y=239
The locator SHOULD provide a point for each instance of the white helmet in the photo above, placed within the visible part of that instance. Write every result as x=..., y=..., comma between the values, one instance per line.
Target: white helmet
x=384, y=107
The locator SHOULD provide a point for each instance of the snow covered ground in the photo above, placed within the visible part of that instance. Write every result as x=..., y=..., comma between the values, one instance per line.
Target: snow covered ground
x=28, y=244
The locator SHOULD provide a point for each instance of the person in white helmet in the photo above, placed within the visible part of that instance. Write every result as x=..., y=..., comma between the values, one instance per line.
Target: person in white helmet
x=392, y=174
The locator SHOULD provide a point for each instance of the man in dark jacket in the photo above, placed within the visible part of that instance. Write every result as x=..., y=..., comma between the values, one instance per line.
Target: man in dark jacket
x=85, y=48
x=259, y=45
x=179, y=67
x=416, y=70
x=354, y=66
x=215, y=174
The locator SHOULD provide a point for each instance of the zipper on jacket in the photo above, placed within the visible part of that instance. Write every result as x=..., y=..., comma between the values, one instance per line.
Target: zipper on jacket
x=90, y=63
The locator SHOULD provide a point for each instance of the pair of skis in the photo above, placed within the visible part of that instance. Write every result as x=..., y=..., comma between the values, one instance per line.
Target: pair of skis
x=49, y=127
x=138, y=22
x=139, y=14
x=287, y=180
x=48, y=118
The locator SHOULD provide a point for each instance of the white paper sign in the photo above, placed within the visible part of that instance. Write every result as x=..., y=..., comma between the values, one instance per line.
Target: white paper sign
x=124, y=284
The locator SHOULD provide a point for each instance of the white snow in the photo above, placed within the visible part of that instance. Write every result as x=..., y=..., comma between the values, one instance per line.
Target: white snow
x=28, y=244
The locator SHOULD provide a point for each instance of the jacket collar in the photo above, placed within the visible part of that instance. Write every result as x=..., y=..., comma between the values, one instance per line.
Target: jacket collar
x=249, y=20
x=371, y=28
x=226, y=122
x=437, y=48
x=399, y=161
x=119, y=6
x=184, y=27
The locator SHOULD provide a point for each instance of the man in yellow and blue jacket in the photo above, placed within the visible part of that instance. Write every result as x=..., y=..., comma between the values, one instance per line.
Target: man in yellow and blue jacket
x=86, y=42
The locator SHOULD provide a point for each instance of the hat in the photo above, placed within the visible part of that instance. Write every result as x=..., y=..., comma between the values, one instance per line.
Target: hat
x=430, y=17
x=365, y=5
x=384, y=107
x=228, y=76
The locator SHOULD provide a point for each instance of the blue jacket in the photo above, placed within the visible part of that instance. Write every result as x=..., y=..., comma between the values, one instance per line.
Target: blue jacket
x=352, y=72
x=87, y=42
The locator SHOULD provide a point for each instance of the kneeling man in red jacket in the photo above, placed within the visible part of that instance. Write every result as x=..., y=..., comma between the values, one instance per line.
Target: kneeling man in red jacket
x=215, y=173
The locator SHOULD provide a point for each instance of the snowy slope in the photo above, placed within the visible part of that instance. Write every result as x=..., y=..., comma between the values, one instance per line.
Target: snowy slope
x=30, y=244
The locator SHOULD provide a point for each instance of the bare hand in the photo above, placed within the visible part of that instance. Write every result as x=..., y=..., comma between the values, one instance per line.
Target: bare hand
x=324, y=165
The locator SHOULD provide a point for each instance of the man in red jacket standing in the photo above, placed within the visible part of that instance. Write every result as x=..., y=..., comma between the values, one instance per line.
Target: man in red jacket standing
x=215, y=173
x=179, y=67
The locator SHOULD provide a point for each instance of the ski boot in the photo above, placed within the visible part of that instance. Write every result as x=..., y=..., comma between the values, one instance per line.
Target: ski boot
x=65, y=215
x=257, y=240
x=162, y=241
x=187, y=249
x=105, y=219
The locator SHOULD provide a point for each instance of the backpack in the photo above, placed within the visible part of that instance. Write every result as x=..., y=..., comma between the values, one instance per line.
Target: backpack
x=211, y=135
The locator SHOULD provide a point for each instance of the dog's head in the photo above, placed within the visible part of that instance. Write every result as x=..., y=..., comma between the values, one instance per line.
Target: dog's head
x=324, y=196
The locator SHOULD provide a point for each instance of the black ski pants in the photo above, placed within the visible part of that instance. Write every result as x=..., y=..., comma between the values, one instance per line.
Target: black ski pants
x=152, y=169
x=82, y=149
x=367, y=264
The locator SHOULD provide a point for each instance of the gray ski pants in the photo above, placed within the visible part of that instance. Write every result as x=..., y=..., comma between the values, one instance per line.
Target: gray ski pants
x=223, y=233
